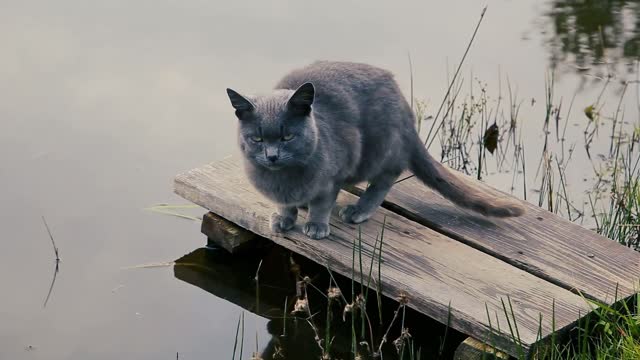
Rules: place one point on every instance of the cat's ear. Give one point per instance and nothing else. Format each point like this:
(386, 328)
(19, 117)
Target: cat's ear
(301, 100)
(240, 103)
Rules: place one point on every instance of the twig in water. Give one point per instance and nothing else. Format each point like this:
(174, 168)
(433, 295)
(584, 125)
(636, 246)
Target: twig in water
(55, 248)
(53, 281)
(57, 268)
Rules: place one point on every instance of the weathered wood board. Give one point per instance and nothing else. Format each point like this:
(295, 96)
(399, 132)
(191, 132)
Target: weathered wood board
(538, 242)
(438, 273)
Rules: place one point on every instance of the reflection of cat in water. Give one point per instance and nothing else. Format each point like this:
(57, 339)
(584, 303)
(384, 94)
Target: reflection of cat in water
(333, 124)
(299, 343)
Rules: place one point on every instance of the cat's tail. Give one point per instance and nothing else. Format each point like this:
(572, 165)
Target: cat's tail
(460, 191)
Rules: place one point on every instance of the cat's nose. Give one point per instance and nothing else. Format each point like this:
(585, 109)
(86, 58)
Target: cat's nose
(272, 158)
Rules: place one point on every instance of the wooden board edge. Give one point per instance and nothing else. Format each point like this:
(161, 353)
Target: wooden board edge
(473, 349)
(226, 234)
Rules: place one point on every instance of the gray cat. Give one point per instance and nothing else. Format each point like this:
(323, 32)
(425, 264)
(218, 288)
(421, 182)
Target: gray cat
(332, 124)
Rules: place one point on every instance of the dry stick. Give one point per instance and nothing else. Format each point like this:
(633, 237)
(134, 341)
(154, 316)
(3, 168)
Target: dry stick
(53, 281)
(452, 102)
(55, 272)
(55, 248)
(453, 80)
(384, 337)
(446, 96)
(311, 322)
(336, 283)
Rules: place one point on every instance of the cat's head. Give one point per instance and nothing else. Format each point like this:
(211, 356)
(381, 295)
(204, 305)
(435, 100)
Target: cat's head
(278, 130)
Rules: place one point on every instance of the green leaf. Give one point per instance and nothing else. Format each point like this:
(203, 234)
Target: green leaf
(589, 111)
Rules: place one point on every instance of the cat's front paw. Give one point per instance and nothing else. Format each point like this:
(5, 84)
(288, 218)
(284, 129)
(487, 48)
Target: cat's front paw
(351, 214)
(316, 230)
(281, 223)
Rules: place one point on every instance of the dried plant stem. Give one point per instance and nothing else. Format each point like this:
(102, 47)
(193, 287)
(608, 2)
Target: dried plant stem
(55, 248)
(435, 119)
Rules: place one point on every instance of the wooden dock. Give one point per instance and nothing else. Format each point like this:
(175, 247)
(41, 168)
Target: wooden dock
(456, 266)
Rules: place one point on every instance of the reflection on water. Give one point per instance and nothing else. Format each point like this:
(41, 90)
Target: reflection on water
(272, 292)
(595, 33)
(233, 278)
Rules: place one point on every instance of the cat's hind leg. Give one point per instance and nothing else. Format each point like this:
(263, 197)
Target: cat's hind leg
(369, 200)
(284, 219)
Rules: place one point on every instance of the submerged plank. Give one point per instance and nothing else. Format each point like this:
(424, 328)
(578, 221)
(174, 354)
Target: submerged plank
(439, 274)
(223, 233)
(538, 242)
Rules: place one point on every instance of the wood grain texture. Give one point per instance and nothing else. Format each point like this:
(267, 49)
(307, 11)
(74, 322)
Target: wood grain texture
(538, 242)
(432, 269)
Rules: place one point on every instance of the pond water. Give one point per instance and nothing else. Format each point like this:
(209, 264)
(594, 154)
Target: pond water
(103, 103)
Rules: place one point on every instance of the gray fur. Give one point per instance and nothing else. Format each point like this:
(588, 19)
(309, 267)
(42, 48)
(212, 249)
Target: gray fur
(333, 124)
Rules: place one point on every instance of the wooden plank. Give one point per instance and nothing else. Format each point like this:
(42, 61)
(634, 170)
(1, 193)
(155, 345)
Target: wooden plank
(472, 349)
(538, 242)
(434, 270)
(223, 233)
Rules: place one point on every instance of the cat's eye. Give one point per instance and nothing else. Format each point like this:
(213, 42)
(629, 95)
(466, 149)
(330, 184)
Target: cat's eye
(287, 137)
(256, 138)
